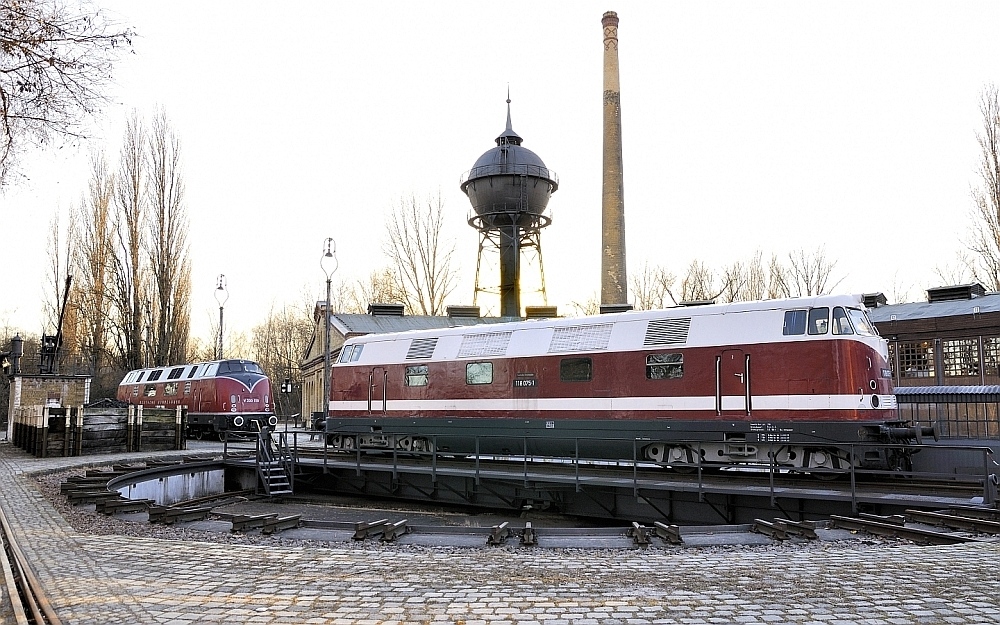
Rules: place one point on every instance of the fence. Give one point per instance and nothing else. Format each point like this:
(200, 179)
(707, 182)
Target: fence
(76, 431)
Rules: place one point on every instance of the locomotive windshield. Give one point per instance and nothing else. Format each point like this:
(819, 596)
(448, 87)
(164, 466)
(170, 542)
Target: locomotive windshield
(861, 324)
(239, 366)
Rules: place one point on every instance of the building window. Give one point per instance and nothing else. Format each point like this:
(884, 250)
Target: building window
(960, 357)
(416, 376)
(795, 322)
(664, 366)
(575, 369)
(479, 373)
(916, 359)
(991, 355)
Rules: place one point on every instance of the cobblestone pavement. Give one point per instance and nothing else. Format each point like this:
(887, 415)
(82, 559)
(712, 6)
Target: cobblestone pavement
(108, 579)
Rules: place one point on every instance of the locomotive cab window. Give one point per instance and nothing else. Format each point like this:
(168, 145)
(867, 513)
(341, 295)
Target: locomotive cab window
(841, 324)
(819, 320)
(664, 366)
(576, 369)
(416, 376)
(795, 322)
(479, 373)
(861, 323)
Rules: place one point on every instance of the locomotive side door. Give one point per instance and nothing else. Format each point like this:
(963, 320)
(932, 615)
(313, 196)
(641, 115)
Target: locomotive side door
(732, 384)
(377, 382)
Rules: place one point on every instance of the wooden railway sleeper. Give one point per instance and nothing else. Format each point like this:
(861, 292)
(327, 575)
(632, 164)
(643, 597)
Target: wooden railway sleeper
(498, 535)
(805, 529)
(168, 515)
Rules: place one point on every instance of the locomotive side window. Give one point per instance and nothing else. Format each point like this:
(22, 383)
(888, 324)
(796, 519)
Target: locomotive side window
(841, 324)
(155, 375)
(357, 353)
(170, 388)
(819, 320)
(150, 390)
(416, 376)
(795, 322)
(664, 366)
(139, 379)
(575, 369)
(194, 370)
(175, 373)
(479, 373)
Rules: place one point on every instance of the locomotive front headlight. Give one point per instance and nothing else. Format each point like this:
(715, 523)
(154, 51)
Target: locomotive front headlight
(875, 401)
(272, 420)
(238, 422)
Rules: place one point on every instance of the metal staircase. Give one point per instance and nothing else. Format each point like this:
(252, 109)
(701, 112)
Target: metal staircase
(274, 464)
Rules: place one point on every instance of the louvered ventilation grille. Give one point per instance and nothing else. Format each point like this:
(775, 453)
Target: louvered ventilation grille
(581, 338)
(421, 348)
(488, 344)
(667, 331)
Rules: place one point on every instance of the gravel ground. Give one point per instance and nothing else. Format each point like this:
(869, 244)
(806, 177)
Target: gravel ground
(86, 520)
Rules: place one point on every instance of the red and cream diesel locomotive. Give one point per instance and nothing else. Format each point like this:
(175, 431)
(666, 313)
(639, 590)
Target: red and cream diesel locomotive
(220, 396)
(800, 380)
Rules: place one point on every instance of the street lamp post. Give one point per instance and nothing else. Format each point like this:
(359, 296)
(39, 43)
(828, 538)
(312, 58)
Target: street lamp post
(221, 295)
(329, 265)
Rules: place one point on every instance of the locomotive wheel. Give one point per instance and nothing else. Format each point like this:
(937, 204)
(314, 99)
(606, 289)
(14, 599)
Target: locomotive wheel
(199, 434)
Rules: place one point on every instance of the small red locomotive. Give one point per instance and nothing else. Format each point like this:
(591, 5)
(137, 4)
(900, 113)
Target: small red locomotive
(801, 383)
(220, 396)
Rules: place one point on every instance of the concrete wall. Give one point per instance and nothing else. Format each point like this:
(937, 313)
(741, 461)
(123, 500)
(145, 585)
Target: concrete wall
(168, 490)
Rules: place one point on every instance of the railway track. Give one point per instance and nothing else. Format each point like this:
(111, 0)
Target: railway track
(25, 594)
(240, 513)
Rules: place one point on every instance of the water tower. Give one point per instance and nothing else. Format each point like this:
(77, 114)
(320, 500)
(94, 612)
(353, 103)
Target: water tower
(509, 188)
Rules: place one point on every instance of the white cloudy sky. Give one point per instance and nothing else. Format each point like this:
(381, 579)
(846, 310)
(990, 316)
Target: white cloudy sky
(764, 125)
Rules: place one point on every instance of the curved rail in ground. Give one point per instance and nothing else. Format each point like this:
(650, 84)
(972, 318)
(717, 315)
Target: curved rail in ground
(25, 592)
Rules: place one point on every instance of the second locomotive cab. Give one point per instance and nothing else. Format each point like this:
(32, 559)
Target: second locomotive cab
(220, 396)
(803, 383)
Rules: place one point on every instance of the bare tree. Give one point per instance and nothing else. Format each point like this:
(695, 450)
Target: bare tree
(651, 288)
(984, 241)
(957, 273)
(421, 260)
(167, 245)
(56, 60)
(94, 260)
(810, 272)
(60, 253)
(278, 345)
(382, 287)
(699, 283)
(129, 272)
(590, 306)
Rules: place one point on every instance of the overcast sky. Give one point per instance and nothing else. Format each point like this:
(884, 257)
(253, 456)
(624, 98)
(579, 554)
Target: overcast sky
(773, 126)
